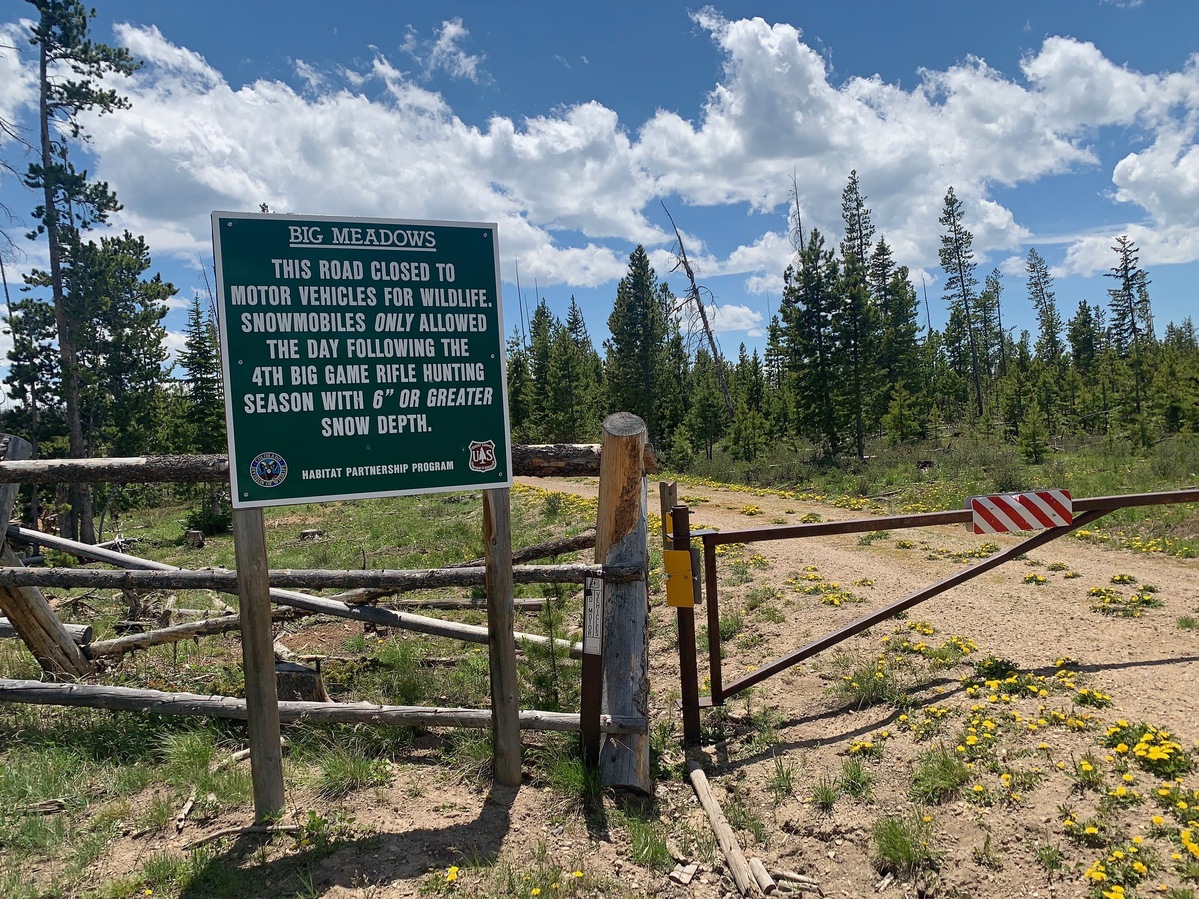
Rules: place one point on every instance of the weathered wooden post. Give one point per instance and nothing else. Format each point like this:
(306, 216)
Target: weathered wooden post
(501, 644)
(25, 607)
(621, 539)
(258, 659)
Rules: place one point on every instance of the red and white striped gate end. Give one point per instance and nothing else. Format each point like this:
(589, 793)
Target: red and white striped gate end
(1003, 512)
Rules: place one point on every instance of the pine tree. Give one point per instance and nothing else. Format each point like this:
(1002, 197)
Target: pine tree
(1082, 332)
(749, 379)
(673, 387)
(70, 69)
(1034, 435)
(957, 259)
(898, 357)
(706, 417)
(634, 363)
(993, 339)
(122, 353)
(901, 421)
(859, 317)
(574, 383)
(811, 301)
(521, 420)
(1040, 294)
(1132, 319)
(541, 334)
(32, 381)
(747, 437)
(200, 359)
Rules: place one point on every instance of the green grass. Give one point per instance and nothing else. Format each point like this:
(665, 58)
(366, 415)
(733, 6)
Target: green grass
(867, 684)
(903, 844)
(855, 780)
(939, 776)
(647, 842)
(559, 766)
(345, 768)
(731, 623)
(742, 817)
(825, 792)
(782, 780)
(1049, 857)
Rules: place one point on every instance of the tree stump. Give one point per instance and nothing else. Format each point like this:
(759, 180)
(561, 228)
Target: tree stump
(194, 539)
(299, 682)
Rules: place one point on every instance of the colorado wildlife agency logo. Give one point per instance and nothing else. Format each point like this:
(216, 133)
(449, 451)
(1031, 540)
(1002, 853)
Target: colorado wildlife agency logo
(268, 469)
(482, 455)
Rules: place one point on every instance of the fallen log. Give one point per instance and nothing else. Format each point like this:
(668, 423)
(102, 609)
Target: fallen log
(80, 633)
(218, 624)
(26, 608)
(127, 699)
(450, 605)
(737, 862)
(761, 876)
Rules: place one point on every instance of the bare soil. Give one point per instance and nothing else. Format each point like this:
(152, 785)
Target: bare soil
(430, 818)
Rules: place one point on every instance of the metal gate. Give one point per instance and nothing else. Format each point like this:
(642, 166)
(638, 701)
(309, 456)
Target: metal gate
(1086, 512)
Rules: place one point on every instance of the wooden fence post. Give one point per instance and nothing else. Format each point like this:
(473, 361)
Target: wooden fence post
(258, 660)
(621, 539)
(501, 644)
(25, 607)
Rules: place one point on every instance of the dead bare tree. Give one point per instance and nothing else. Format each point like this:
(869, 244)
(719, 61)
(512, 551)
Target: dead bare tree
(693, 296)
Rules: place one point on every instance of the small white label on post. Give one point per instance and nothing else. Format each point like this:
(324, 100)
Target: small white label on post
(593, 616)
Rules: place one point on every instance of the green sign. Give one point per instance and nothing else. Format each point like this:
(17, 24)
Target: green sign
(361, 357)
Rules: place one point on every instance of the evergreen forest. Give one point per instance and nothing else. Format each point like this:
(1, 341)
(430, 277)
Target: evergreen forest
(852, 366)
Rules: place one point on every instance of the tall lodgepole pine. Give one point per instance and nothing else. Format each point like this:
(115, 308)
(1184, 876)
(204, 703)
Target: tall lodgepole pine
(70, 69)
(957, 259)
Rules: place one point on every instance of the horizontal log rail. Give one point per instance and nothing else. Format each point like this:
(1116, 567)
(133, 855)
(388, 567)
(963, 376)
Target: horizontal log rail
(225, 580)
(420, 624)
(542, 460)
(128, 699)
(926, 519)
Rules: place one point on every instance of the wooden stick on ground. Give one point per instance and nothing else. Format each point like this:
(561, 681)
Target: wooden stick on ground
(738, 864)
(238, 831)
(761, 876)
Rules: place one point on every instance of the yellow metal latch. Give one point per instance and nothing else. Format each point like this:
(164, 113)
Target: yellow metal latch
(680, 581)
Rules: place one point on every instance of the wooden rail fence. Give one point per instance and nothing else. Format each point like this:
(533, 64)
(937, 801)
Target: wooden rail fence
(618, 701)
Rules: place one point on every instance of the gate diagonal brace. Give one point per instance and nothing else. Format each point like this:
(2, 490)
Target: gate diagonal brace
(830, 640)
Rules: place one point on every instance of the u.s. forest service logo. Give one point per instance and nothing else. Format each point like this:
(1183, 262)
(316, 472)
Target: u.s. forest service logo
(268, 469)
(482, 455)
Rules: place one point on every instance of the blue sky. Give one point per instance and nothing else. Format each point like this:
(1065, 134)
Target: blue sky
(1060, 124)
